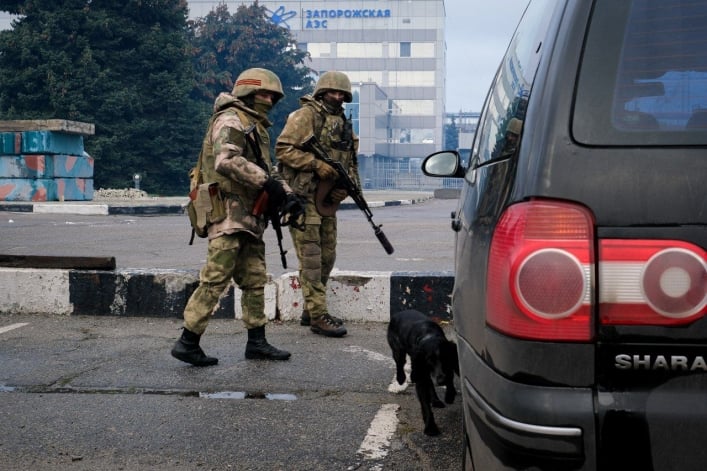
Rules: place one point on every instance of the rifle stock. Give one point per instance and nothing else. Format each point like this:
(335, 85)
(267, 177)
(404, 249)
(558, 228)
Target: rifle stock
(344, 181)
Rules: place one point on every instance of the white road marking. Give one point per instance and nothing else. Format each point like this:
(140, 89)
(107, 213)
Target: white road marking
(12, 327)
(377, 441)
(376, 444)
(370, 354)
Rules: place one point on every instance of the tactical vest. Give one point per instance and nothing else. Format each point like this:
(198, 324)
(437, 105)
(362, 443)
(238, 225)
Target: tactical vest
(208, 165)
(328, 130)
(330, 134)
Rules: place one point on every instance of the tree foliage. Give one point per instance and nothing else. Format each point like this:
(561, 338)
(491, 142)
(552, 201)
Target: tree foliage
(120, 65)
(451, 136)
(143, 74)
(226, 44)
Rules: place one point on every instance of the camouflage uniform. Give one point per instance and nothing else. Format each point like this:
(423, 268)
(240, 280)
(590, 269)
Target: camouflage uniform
(236, 250)
(316, 246)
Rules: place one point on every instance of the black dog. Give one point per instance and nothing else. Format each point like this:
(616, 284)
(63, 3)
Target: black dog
(433, 357)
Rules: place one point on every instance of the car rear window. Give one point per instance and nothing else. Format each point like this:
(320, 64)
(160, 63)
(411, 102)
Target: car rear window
(643, 76)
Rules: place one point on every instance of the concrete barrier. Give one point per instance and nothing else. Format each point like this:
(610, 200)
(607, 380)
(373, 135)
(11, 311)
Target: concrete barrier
(354, 296)
(44, 160)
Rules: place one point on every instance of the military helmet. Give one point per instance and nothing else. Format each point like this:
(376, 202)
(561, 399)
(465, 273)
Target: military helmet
(334, 80)
(257, 79)
(514, 126)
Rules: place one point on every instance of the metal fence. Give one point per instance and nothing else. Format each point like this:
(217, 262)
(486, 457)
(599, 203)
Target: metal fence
(400, 174)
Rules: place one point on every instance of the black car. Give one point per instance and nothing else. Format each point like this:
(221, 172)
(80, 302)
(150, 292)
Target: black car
(580, 281)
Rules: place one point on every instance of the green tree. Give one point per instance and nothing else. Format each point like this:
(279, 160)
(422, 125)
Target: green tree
(226, 44)
(123, 66)
(451, 136)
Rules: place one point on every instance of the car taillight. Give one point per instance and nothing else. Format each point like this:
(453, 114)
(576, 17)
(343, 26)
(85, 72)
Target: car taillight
(651, 282)
(540, 272)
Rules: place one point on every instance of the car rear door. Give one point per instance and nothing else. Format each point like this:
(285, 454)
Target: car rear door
(639, 123)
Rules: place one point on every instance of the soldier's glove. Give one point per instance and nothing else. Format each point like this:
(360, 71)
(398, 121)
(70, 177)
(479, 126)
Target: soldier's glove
(276, 193)
(292, 213)
(338, 195)
(323, 170)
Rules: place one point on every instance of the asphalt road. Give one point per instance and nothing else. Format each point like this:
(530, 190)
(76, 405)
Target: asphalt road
(86, 393)
(420, 234)
(89, 393)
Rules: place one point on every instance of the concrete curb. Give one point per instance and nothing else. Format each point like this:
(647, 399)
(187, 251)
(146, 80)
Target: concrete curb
(99, 208)
(354, 296)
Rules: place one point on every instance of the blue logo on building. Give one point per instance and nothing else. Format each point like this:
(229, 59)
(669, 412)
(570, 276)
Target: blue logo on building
(318, 19)
(280, 16)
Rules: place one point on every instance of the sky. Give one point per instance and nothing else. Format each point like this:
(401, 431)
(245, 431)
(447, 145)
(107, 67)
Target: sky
(477, 34)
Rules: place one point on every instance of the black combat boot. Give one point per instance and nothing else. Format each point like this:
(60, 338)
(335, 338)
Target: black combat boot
(257, 348)
(187, 349)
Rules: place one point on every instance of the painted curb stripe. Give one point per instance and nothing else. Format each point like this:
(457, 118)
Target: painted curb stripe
(367, 296)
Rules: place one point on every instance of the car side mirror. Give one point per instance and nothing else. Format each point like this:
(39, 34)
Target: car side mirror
(445, 163)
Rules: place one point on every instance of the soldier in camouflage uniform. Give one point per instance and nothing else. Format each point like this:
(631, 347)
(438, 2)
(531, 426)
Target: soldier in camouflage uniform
(321, 114)
(236, 154)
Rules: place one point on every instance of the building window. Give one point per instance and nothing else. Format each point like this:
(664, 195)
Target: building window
(319, 49)
(365, 76)
(414, 50)
(422, 136)
(359, 50)
(423, 50)
(411, 78)
(414, 107)
(414, 136)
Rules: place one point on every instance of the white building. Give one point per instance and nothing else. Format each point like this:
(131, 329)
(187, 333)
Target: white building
(394, 53)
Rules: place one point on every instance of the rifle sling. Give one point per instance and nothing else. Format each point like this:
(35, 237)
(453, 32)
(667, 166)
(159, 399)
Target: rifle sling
(253, 141)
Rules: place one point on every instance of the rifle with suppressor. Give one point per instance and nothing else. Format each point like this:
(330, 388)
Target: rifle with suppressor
(313, 146)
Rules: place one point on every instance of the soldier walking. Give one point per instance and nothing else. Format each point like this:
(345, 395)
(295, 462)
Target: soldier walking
(236, 155)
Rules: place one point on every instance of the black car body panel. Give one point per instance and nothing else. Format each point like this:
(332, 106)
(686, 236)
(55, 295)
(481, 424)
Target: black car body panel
(607, 133)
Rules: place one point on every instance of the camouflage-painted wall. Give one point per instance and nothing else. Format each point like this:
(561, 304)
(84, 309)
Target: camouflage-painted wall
(45, 161)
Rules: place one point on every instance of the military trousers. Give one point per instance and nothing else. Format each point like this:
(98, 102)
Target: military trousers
(239, 257)
(316, 252)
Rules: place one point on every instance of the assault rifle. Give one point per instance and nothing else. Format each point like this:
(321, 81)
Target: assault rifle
(345, 182)
(261, 207)
(261, 203)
